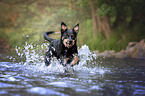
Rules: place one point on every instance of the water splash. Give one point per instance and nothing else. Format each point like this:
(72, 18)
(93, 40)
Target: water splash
(33, 53)
(35, 59)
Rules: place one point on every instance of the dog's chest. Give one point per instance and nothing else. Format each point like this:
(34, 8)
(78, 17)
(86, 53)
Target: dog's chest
(67, 53)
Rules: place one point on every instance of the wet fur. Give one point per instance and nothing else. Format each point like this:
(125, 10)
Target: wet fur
(65, 48)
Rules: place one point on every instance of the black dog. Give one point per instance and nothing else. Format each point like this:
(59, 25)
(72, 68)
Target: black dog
(64, 49)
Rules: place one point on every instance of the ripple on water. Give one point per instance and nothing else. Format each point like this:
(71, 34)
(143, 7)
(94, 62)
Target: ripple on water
(82, 90)
(11, 79)
(59, 84)
(44, 91)
(3, 92)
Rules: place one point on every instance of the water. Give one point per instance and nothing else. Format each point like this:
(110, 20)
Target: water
(24, 74)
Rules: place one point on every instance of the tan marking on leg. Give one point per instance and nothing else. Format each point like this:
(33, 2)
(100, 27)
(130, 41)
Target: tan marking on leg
(75, 60)
(65, 60)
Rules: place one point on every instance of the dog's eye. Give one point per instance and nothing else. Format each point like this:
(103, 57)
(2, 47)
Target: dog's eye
(72, 36)
(67, 35)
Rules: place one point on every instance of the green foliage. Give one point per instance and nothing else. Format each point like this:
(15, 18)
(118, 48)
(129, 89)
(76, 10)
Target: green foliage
(27, 21)
(32, 28)
(61, 14)
(118, 40)
(97, 43)
(3, 35)
(106, 9)
(82, 3)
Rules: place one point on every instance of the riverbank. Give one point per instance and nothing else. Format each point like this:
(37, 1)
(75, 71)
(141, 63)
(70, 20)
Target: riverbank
(133, 50)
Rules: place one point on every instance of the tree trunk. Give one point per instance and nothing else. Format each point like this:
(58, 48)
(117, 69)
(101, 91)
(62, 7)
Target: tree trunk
(74, 3)
(99, 24)
(70, 5)
(94, 19)
(104, 26)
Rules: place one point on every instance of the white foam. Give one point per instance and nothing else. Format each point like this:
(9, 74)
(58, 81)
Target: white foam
(59, 84)
(11, 79)
(44, 91)
(35, 59)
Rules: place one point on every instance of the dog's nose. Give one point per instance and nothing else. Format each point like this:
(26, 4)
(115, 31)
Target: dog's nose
(70, 41)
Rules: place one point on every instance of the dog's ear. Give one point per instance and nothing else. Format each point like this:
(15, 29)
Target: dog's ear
(76, 28)
(63, 27)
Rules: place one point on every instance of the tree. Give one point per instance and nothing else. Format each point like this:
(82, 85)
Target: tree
(93, 18)
(100, 24)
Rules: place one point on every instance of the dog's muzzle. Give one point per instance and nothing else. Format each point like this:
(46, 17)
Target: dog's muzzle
(68, 43)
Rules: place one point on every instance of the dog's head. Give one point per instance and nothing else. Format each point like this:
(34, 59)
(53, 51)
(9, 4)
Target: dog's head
(69, 37)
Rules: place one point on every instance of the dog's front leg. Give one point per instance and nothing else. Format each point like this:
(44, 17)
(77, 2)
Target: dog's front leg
(48, 57)
(66, 60)
(75, 60)
(63, 61)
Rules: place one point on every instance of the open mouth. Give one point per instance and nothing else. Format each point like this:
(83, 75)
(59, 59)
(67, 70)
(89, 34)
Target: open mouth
(68, 44)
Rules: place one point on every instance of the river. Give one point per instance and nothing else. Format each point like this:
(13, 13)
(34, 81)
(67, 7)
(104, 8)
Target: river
(25, 74)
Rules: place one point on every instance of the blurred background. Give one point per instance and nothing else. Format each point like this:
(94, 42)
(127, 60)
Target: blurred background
(104, 24)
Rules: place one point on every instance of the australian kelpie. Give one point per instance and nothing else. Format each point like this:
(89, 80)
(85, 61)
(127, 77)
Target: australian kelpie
(65, 48)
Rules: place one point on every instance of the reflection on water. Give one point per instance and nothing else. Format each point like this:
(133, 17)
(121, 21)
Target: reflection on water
(93, 76)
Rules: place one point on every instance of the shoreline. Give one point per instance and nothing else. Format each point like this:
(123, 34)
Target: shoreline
(133, 50)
